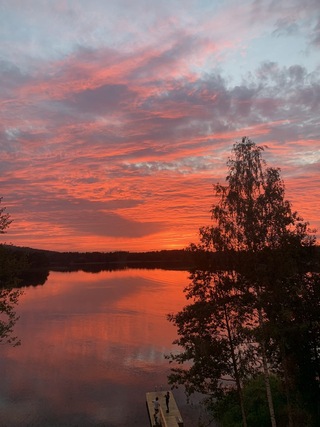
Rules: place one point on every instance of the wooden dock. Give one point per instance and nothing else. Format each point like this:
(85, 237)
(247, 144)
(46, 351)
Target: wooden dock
(164, 419)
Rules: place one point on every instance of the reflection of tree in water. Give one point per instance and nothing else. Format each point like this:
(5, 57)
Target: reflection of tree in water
(10, 269)
(8, 316)
(17, 269)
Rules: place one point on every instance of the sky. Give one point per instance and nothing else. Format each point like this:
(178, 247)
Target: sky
(118, 116)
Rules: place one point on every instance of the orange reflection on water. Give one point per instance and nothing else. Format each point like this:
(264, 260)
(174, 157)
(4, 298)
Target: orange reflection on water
(91, 343)
(116, 317)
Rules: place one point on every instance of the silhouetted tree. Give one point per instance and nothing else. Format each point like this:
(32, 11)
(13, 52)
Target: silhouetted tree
(9, 298)
(5, 220)
(211, 330)
(263, 239)
(10, 268)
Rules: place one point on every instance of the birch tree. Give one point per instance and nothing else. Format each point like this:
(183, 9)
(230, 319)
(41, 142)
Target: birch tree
(261, 237)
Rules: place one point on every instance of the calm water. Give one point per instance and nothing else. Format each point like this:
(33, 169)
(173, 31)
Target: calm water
(92, 345)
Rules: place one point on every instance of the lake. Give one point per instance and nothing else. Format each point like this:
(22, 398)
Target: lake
(92, 345)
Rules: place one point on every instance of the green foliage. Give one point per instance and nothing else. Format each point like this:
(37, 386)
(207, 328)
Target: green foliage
(227, 410)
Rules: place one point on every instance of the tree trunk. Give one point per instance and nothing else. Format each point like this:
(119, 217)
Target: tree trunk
(287, 385)
(236, 373)
(267, 378)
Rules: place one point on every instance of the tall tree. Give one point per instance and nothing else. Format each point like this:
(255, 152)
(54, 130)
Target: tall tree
(259, 234)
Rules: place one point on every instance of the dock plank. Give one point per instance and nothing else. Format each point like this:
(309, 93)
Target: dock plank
(168, 419)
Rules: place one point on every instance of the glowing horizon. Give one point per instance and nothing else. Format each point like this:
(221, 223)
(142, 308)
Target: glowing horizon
(117, 119)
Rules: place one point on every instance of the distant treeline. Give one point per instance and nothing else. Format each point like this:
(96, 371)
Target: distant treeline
(37, 262)
(72, 261)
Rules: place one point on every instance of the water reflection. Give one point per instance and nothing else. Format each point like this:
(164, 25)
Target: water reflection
(9, 299)
(92, 345)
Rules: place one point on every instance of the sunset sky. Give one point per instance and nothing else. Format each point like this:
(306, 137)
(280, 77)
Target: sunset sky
(117, 116)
